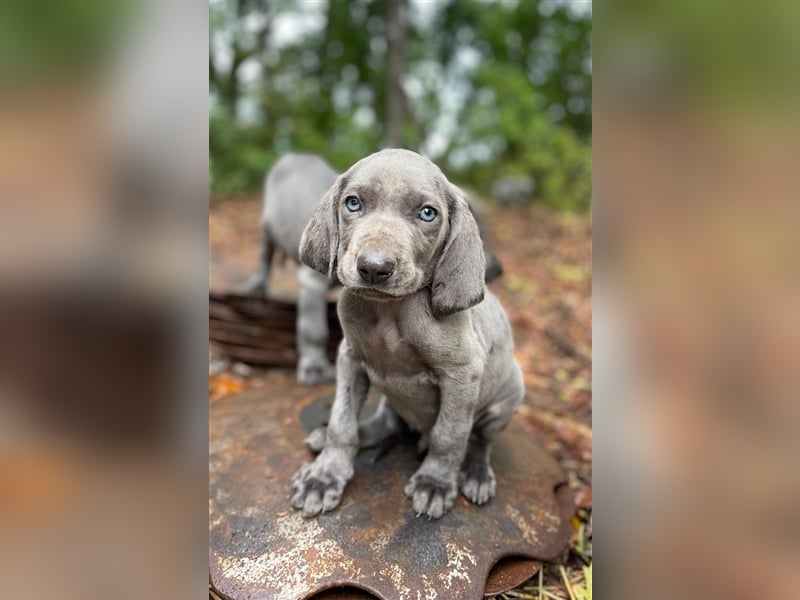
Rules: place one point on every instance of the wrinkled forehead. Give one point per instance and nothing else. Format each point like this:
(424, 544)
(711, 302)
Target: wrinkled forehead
(397, 177)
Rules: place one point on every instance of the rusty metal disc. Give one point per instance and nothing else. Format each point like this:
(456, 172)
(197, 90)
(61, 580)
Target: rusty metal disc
(372, 543)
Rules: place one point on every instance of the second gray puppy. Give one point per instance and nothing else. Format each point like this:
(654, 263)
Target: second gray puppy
(292, 190)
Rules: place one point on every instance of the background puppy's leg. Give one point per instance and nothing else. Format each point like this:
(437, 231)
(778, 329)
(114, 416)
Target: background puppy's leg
(257, 286)
(434, 487)
(313, 366)
(318, 486)
(384, 422)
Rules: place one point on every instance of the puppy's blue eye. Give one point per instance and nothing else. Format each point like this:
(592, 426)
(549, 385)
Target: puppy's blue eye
(427, 214)
(352, 204)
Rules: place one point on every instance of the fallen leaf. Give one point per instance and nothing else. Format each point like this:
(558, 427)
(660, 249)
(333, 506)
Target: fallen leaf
(223, 384)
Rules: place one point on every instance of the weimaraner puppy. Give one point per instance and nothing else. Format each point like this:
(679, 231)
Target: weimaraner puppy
(292, 190)
(419, 325)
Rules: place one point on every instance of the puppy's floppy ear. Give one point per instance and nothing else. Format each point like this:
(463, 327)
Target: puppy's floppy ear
(458, 278)
(319, 245)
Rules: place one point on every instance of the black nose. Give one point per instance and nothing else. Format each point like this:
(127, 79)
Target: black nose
(374, 267)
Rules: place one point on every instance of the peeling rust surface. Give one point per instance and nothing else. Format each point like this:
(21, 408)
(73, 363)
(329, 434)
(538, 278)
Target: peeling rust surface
(260, 548)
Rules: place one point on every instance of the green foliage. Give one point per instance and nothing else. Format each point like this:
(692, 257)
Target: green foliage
(239, 157)
(514, 81)
(508, 113)
(550, 53)
(528, 142)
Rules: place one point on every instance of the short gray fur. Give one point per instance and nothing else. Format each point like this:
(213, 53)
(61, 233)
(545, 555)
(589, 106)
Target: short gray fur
(430, 336)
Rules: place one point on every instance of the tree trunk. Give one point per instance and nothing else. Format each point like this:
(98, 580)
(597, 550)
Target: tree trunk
(396, 66)
(227, 83)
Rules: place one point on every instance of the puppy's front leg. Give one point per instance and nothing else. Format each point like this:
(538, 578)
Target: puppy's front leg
(434, 487)
(318, 486)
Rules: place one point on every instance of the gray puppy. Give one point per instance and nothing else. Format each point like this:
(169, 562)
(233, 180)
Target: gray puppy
(419, 324)
(292, 190)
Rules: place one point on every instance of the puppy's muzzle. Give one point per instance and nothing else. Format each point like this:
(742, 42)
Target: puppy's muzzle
(374, 267)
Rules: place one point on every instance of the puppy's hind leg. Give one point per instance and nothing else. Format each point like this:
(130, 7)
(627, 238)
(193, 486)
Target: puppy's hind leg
(313, 366)
(476, 478)
(257, 286)
(382, 424)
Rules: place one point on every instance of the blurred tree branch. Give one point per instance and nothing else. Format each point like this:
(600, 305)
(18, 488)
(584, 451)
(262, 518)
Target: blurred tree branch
(396, 68)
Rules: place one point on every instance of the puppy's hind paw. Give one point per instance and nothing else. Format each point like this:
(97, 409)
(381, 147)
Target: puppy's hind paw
(477, 483)
(315, 441)
(431, 496)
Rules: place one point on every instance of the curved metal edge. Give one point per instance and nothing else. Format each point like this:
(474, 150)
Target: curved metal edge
(509, 572)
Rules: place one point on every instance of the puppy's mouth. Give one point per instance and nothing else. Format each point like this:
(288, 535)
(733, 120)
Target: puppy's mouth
(372, 293)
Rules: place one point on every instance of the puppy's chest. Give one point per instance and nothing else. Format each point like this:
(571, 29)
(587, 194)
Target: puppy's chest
(388, 355)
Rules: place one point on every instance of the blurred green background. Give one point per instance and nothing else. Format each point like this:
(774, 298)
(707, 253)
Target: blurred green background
(488, 90)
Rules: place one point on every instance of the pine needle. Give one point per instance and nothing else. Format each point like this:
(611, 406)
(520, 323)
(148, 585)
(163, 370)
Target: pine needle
(567, 582)
(541, 570)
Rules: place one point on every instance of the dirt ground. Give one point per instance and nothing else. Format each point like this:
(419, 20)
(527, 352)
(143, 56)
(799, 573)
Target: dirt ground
(546, 290)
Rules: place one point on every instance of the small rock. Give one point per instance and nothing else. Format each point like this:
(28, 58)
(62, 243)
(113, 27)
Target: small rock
(217, 364)
(242, 370)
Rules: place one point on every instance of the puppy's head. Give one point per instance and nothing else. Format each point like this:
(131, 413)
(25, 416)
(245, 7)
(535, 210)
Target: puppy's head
(393, 224)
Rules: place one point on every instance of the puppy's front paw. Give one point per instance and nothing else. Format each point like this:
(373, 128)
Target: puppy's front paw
(477, 482)
(318, 486)
(431, 496)
(315, 373)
